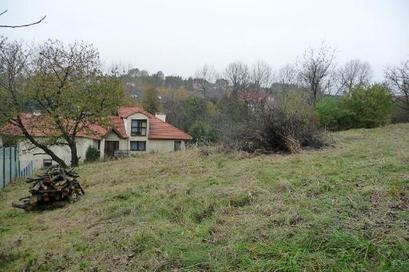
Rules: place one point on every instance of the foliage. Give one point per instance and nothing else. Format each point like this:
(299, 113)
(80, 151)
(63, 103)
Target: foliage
(150, 101)
(233, 121)
(9, 140)
(287, 124)
(92, 154)
(195, 115)
(338, 209)
(334, 114)
(290, 125)
(364, 107)
(62, 82)
(203, 132)
(371, 106)
(399, 114)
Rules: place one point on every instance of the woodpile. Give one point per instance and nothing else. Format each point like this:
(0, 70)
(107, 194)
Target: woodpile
(55, 188)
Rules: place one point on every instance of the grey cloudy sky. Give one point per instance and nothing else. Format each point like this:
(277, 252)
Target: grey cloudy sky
(179, 36)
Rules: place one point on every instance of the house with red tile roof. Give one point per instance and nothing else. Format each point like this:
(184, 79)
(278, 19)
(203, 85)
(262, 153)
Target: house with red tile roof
(131, 131)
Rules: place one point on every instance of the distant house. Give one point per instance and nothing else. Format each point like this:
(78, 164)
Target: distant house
(131, 131)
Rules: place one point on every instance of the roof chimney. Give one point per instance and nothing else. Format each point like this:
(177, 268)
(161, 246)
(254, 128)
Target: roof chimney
(161, 116)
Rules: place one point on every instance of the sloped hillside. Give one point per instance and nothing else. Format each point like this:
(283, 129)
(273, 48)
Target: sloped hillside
(342, 208)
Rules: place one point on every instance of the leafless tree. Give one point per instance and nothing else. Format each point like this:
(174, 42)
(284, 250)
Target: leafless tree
(204, 76)
(287, 77)
(261, 75)
(351, 74)
(316, 70)
(238, 74)
(21, 25)
(398, 80)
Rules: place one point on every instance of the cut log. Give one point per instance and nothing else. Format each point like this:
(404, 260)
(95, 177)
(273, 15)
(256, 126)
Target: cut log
(54, 188)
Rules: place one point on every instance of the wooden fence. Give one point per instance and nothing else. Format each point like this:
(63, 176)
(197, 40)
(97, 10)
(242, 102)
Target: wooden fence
(10, 166)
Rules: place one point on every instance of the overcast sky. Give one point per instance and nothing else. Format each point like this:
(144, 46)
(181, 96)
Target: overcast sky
(179, 36)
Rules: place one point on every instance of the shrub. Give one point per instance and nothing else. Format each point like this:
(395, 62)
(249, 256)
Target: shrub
(371, 106)
(203, 132)
(288, 124)
(234, 123)
(92, 154)
(399, 114)
(333, 114)
(363, 107)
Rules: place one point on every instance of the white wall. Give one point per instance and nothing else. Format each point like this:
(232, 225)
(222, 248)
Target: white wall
(162, 145)
(128, 122)
(112, 136)
(28, 153)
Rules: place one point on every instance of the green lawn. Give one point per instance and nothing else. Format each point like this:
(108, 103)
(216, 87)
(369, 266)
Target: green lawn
(343, 208)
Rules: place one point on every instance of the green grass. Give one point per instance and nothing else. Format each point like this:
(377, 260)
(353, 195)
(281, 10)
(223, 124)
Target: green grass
(343, 208)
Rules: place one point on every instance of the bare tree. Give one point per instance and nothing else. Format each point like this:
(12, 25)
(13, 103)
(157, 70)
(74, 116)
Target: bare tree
(261, 75)
(287, 77)
(353, 73)
(22, 25)
(238, 74)
(315, 71)
(204, 76)
(398, 80)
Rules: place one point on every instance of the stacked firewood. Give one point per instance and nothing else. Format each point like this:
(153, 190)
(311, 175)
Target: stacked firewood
(55, 188)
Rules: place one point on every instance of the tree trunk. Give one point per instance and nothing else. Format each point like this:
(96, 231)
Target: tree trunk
(39, 145)
(74, 154)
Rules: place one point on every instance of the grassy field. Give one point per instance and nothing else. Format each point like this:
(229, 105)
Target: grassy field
(343, 208)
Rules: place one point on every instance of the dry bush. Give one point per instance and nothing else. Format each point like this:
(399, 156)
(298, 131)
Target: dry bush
(289, 124)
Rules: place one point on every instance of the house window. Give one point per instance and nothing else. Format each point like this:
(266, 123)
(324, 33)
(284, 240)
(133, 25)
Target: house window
(177, 145)
(138, 145)
(47, 163)
(138, 127)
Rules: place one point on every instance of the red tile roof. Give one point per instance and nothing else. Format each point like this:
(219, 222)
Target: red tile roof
(125, 112)
(36, 125)
(161, 130)
(119, 126)
(40, 126)
(158, 130)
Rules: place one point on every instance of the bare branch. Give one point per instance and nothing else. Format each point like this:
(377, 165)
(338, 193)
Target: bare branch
(351, 74)
(261, 76)
(204, 76)
(238, 74)
(316, 70)
(398, 80)
(23, 25)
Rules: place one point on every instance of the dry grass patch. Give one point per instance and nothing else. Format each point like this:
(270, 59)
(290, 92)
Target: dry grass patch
(340, 208)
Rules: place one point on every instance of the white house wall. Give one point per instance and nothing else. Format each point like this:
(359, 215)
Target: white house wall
(28, 153)
(112, 136)
(162, 146)
(128, 123)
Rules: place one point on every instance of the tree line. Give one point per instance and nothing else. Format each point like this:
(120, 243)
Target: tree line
(340, 96)
(247, 107)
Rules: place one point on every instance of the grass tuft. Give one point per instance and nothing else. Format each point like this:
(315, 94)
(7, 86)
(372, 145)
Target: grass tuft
(342, 208)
